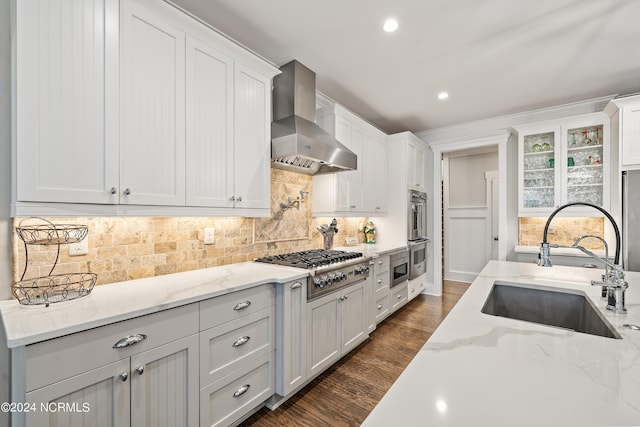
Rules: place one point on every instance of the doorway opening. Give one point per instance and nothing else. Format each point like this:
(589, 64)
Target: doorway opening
(470, 211)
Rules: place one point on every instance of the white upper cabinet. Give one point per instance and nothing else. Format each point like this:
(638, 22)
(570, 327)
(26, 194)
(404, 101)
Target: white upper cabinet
(625, 114)
(152, 149)
(416, 164)
(137, 105)
(66, 100)
(353, 193)
(252, 150)
(209, 126)
(564, 161)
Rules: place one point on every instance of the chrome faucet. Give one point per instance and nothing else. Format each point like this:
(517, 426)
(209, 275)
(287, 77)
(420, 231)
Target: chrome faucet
(613, 277)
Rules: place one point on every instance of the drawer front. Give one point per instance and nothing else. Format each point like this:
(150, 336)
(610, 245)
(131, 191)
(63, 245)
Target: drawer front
(381, 280)
(228, 400)
(398, 297)
(415, 288)
(381, 309)
(381, 263)
(224, 348)
(54, 360)
(225, 308)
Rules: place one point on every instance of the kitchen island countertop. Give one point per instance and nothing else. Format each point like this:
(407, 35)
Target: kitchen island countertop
(483, 370)
(27, 324)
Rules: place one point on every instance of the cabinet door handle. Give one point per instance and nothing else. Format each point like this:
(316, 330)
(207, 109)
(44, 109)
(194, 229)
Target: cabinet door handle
(239, 199)
(123, 375)
(241, 341)
(379, 306)
(140, 370)
(399, 296)
(232, 198)
(379, 262)
(127, 191)
(352, 206)
(242, 390)
(379, 280)
(413, 290)
(296, 285)
(129, 340)
(242, 305)
(113, 190)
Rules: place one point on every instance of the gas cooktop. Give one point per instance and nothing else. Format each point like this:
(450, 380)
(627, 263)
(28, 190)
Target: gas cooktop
(312, 259)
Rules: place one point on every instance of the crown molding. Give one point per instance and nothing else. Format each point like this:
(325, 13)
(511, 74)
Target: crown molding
(482, 128)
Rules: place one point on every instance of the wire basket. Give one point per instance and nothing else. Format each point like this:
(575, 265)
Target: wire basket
(50, 234)
(53, 288)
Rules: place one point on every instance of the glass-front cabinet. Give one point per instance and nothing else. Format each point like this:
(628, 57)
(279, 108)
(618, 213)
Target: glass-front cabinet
(563, 161)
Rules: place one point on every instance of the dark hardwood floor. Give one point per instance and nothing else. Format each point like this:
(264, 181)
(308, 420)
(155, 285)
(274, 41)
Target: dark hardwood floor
(346, 393)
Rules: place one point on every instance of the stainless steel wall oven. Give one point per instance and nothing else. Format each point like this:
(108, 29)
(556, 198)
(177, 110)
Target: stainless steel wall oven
(417, 215)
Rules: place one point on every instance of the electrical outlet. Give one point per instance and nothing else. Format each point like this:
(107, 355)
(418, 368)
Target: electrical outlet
(209, 236)
(80, 248)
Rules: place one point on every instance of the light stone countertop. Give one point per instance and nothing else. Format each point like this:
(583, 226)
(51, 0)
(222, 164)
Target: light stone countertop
(373, 249)
(483, 370)
(125, 300)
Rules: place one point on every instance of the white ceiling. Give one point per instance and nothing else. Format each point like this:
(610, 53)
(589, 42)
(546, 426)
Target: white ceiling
(494, 57)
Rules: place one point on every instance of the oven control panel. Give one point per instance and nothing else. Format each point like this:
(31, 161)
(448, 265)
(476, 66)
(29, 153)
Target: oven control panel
(325, 282)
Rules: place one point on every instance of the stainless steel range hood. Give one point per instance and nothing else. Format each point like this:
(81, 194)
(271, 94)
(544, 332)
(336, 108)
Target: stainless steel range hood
(298, 144)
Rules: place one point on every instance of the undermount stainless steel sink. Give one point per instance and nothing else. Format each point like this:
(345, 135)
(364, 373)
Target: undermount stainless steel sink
(562, 308)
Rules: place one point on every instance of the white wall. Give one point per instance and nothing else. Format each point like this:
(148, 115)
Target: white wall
(466, 178)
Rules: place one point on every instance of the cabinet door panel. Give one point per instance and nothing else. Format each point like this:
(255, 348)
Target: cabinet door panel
(323, 330)
(98, 398)
(209, 109)
(63, 92)
(353, 316)
(631, 136)
(291, 365)
(165, 391)
(252, 157)
(153, 121)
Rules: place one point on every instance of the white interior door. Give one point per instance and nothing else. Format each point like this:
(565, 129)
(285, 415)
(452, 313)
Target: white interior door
(469, 231)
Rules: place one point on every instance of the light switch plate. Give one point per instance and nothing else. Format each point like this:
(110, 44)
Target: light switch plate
(79, 248)
(209, 236)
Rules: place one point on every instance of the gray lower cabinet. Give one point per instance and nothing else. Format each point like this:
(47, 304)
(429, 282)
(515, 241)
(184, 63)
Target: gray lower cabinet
(237, 346)
(85, 379)
(291, 363)
(335, 326)
(398, 296)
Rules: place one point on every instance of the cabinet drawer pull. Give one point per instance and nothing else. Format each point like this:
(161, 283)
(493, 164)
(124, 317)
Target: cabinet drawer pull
(379, 280)
(379, 306)
(413, 290)
(379, 262)
(242, 390)
(140, 370)
(123, 375)
(242, 305)
(296, 285)
(129, 340)
(399, 296)
(241, 341)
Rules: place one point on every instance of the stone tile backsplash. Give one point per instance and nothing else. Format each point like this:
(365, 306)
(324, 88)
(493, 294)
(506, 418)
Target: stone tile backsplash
(136, 247)
(565, 232)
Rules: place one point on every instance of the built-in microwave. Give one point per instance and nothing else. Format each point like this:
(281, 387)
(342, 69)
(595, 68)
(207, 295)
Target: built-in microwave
(417, 216)
(399, 262)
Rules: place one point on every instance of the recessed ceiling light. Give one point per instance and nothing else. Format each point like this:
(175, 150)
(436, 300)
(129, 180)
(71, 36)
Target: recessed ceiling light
(443, 95)
(390, 25)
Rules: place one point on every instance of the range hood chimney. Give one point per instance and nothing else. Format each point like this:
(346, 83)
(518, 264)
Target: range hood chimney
(298, 144)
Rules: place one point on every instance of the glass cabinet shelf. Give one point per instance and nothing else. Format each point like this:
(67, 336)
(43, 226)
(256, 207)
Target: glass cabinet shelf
(563, 161)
